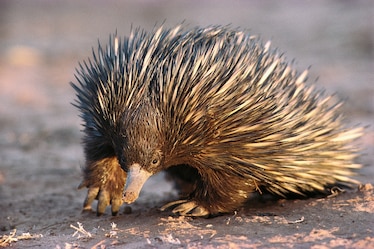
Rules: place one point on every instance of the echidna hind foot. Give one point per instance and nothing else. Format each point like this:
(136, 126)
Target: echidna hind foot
(105, 181)
(187, 208)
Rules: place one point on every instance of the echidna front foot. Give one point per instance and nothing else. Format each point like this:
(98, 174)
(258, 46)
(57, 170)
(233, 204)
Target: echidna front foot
(187, 208)
(105, 181)
(104, 198)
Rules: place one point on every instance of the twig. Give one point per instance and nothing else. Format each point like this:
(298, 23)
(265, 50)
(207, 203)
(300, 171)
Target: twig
(296, 221)
(6, 240)
(80, 230)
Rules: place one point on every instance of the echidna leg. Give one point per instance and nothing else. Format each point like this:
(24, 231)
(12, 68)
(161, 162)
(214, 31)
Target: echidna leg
(105, 181)
(217, 192)
(185, 178)
(209, 192)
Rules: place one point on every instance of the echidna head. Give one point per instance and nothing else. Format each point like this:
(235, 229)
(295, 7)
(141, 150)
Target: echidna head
(140, 147)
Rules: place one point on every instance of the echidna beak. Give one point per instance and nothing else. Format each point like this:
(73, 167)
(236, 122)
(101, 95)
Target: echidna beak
(136, 177)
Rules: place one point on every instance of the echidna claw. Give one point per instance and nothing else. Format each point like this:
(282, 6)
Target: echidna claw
(172, 203)
(116, 205)
(186, 208)
(91, 196)
(103, 202)
(200, 211)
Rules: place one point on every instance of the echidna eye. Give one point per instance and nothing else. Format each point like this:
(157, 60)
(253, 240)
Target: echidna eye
(155, 161)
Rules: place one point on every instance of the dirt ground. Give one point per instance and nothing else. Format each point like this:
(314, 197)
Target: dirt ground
(41, 43)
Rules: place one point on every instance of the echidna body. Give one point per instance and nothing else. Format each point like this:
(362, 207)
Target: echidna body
(215, 108)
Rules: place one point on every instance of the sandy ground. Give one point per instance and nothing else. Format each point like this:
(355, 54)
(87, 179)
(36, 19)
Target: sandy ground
(41, 43)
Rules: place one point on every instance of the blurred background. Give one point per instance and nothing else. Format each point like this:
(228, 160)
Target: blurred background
(42, 41)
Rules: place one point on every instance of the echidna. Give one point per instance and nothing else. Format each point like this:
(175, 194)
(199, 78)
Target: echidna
(214, 107)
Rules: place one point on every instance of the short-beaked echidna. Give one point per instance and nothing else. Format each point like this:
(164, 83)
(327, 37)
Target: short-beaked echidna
(214, 107)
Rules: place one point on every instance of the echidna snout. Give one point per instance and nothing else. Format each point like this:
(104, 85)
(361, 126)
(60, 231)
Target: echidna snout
(136, 177)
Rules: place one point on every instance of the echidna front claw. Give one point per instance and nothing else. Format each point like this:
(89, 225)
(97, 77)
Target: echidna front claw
(105, 181)
(91, 196)
(116, 204)
(187, 208)
(103, 202)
